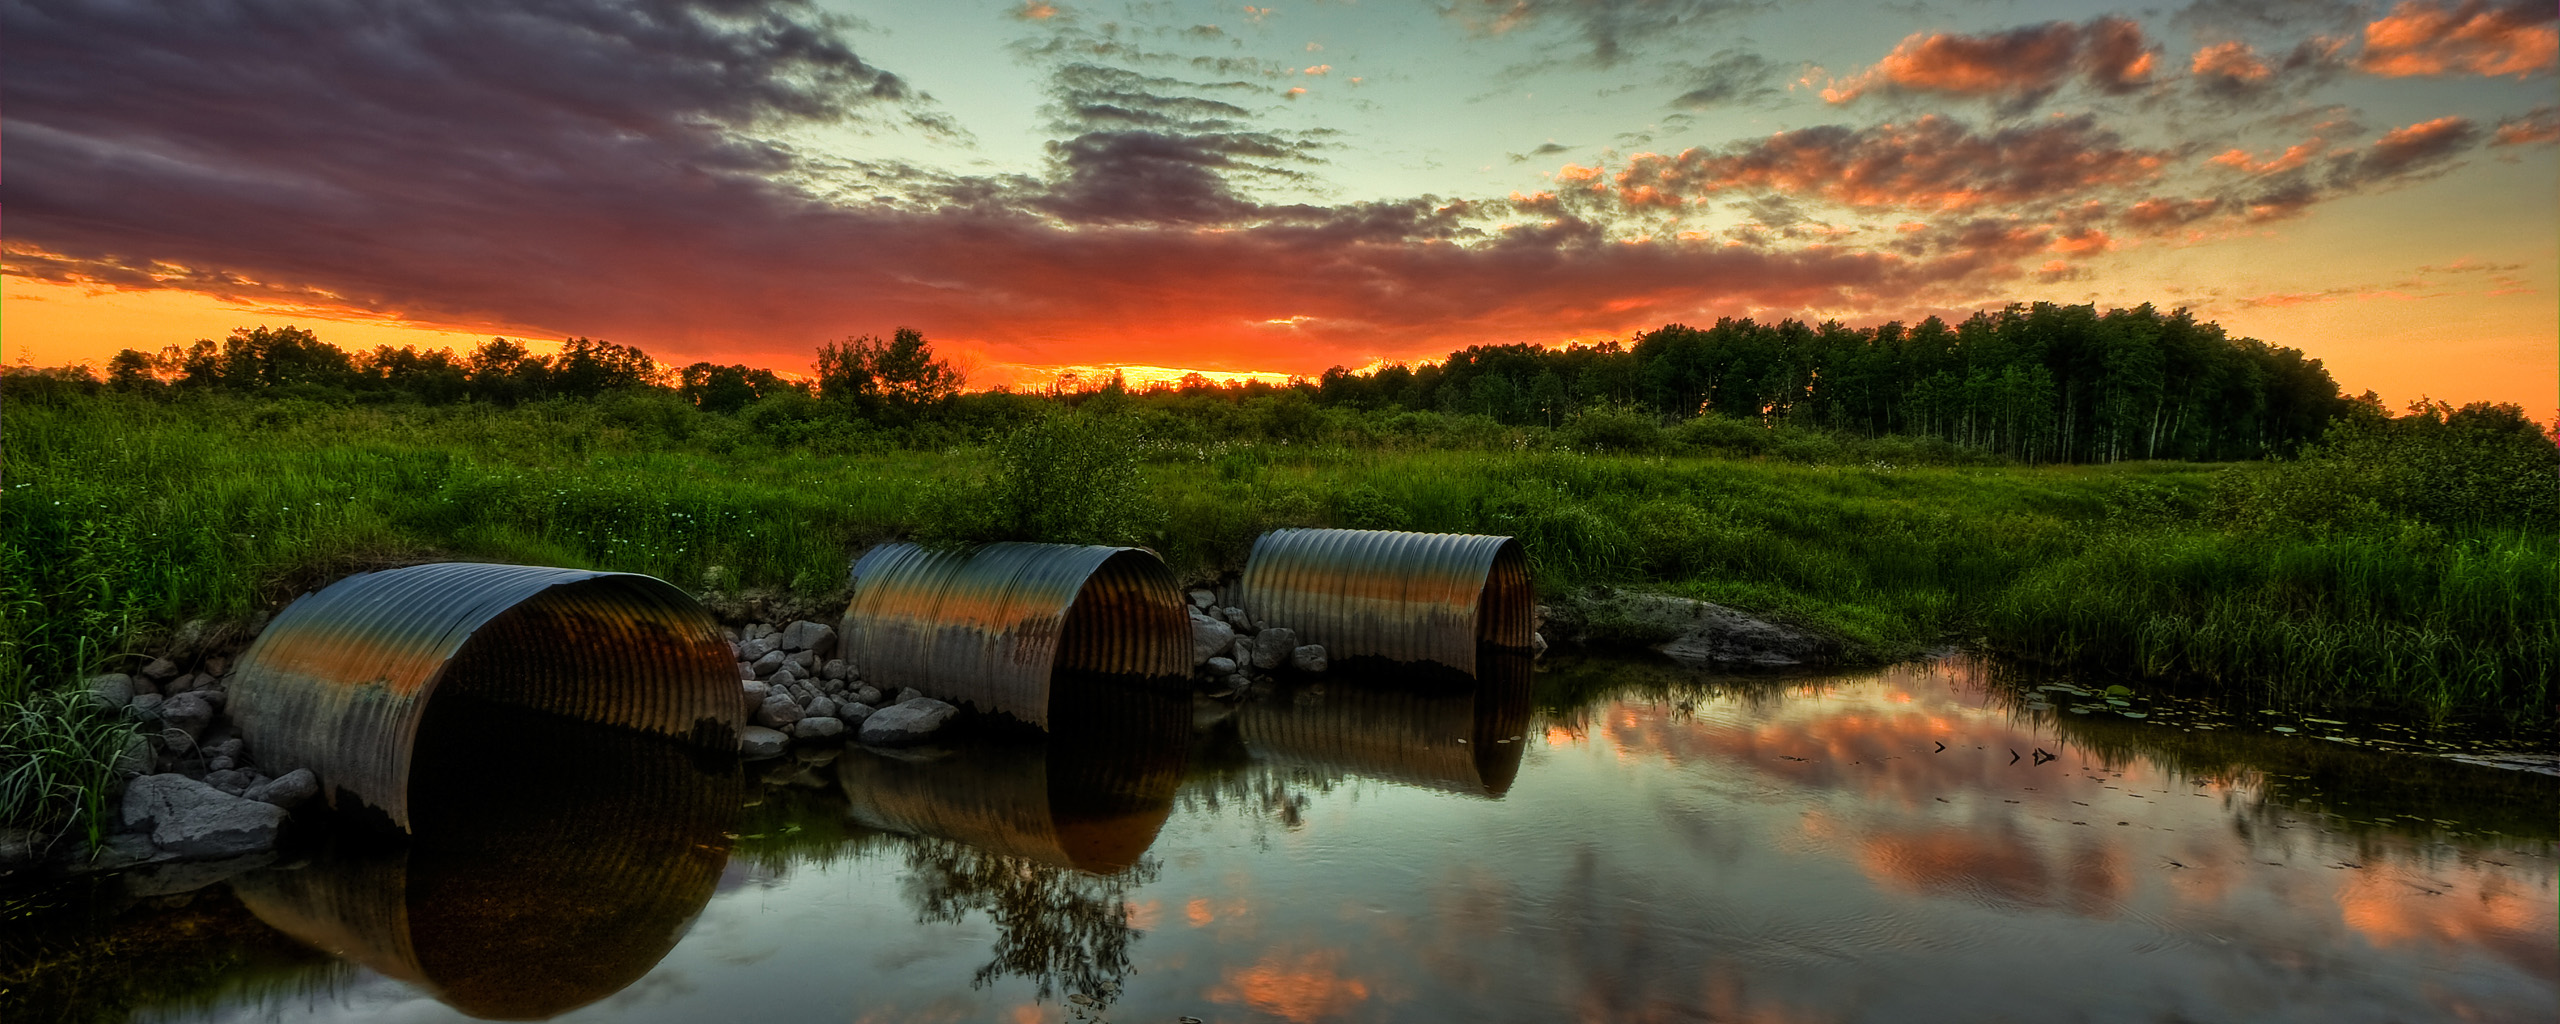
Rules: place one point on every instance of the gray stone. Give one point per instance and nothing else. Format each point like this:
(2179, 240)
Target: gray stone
(1271, 647)
(161, 668)
(854, 713)
(147, 705)
(226, 779)
(783, 679)
(869, 695)
(1202, 598)
(217, 666)
(195, 819)
(803, 663)
(121, 850)
(1209, 638)
(212, 695)
(815, 637)
(755, 743)
(909, 693)
(1237, 618)
(907, 722)
(228, 747)
(1537, 645)
(1694, 632)
(288, 790)
(770, 662)
(835, 670)
(1221, 666)
(187, 712)
(1309, 658)
(754, 694)
(1240, 681)
(746, 670)
(820, 706)
(219, 763)
(136, 758)
(779, 711)
(757, 647)
(818, 727)
(182, 684)
(112, 690)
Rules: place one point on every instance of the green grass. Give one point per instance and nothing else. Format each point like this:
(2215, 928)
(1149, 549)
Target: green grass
(125, 516)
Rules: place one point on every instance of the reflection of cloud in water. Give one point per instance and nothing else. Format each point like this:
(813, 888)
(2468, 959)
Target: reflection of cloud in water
(1306, 986)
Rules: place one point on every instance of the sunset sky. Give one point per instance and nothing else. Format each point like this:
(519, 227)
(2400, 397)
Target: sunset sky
(1282, 188)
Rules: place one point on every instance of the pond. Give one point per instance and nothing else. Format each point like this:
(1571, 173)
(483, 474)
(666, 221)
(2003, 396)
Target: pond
(1609, 840)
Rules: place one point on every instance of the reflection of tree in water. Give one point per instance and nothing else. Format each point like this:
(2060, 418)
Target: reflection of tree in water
(1059, 927)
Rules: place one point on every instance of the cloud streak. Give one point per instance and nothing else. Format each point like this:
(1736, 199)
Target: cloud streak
(2422, 38)
(2020, 66)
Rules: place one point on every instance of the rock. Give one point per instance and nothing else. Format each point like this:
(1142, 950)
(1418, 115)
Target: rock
(288, 790)
(783, 678)
(754, 693)
(1272, 646)
(228, 780)
(136, 759)
(803, 663)
(185, 683)
(1537, 645)
(188, 876)
(147, 705)
(121, 850)
(218, 763)
(217, 666)
(17, 850)
(907, 722)
(818, 727)
(755, 743)
(1209, 638)
(187, 712)
(1237, 618)
(778, 711)
(909, 693)
(1309, 658)
(1239, 682)
(195, 819)
(1202, 598)
(835, 670)
(757, 647)
(746, 670)
(820, 706)
(814, 637)
(160, 668)
(212, 695)
(855, 712)
(229, 747)
(769, 663)
(868, 695)
(1694, 632)
(1220, 666)
(112, 690)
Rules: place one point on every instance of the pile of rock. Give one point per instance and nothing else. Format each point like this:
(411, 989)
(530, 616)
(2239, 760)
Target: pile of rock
(1231, 650)
(195, 792)
(797, 690)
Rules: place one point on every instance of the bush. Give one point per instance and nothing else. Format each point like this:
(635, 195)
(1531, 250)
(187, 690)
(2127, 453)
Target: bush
(58, 756)
(1063, 479)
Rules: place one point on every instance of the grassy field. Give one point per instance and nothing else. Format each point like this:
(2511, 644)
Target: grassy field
(126, 516)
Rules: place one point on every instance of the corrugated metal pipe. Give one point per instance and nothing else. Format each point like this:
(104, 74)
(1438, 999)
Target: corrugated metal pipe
(989, 626)
(339, 682)
(1466, 741)
(1406, 597)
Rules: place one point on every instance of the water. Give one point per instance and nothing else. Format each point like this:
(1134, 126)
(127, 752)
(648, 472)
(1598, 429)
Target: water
(1652, 846)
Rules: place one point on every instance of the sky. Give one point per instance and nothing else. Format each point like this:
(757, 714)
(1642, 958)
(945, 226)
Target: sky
(1279, 189)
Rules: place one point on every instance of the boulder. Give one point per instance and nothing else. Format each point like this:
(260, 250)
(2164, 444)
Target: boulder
(220, 775)
(909, 693)
(288, 790)
(768, 662)
(182, 684)
(755, 743)
(755, 692)
(1236, 617)
(778, 712)
(869, 695)
(1202, 598)
(195, 819)
(1273, 646)
(1220, 667)
(161, 668)
(835, 670)
(1309, 658)
(187, 712)
(757, 647)
(803, 663)
(1693, 632)
(820, 706)
(1209, 638)
(112, 690)
(818, 727)
(746, 670)
(907, 722)
(814, 637)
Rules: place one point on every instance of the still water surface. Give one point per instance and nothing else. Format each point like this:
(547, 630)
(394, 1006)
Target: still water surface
(1619, 841)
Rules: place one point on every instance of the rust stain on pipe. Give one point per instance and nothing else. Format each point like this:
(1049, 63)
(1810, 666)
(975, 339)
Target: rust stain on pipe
(1406, 597)
(990, 626)
(340, 680)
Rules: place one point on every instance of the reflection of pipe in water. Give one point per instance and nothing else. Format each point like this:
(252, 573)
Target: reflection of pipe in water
(988, 626)
(1456, 736)
(340, 682)
(1405, 597)
(1090, 795)
(551, 863)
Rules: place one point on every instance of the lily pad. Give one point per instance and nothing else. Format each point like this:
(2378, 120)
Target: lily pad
(2135, 714)
(2119, 691)
(2284, 728)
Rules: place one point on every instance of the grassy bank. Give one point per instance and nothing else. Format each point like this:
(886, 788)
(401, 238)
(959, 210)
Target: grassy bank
(124, 516)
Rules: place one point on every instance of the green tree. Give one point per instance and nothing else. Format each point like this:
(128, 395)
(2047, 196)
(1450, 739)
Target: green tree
(871, 376)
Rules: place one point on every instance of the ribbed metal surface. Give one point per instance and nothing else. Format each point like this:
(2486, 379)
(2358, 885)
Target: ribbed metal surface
(553, 865)
(1401, 596)
(989, 626)
(338, 682)
(1467, 741)
(1092, 796)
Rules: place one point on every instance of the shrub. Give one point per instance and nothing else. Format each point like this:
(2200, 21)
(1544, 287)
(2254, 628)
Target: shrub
(1064, 478)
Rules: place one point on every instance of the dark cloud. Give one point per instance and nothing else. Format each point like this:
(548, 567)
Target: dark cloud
(1933, 163)
(2305, 175)
(2236, 73)
(1728, 77)
(2213, 19)
(2541, 125)
(1609, 27)
(2423, 38)
(1152, 149)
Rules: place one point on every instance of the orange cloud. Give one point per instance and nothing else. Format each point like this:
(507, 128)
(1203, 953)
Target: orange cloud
(2424, 38)
(2542, 125)
(2294, 156)
(2233, 61)
(1933, 164)
(2022, 63)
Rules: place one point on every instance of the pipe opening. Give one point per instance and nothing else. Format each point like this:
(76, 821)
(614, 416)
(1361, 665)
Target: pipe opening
(1507, 610)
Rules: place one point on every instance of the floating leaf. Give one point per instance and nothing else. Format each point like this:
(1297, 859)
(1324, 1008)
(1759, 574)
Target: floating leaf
(2119, 691)
(2284, 728)
(2120, 703)
(2136, 714)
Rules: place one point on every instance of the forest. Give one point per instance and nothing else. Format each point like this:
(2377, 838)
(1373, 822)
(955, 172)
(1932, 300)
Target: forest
(2040, 383)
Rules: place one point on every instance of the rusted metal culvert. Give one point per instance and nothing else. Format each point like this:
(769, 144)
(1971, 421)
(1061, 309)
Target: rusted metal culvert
(1400, 596)
(1466, 741)
(990, 626)
(340, 681)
